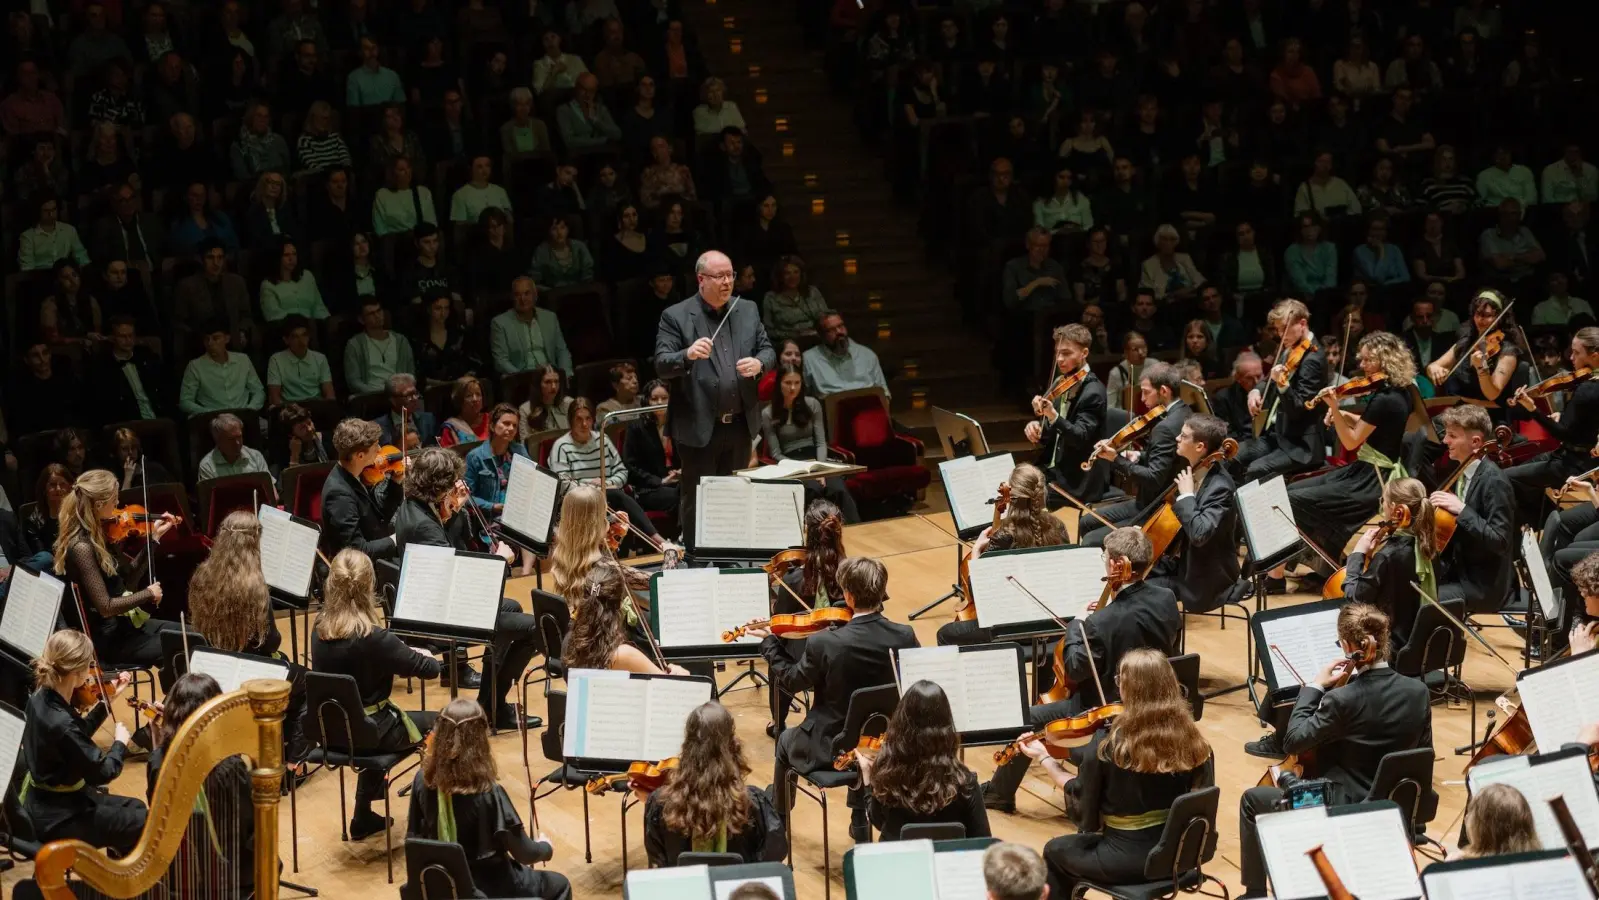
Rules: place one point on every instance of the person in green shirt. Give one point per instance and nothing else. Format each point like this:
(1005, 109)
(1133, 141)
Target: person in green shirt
(468, 203)
(298, 373)
(372, 84)
(525, 337)
(230, 456)
(50, 239)
(291, 290)
(1506, 179)
(219, 379)
(395, 206)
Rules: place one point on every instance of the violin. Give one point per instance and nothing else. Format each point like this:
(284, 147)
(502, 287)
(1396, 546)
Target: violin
(640, 776)
(390, 461)
(145, 708)
(795, 625)
(1298, 763)
(782, 562)
(868, 744)
(1514, 737)
(1492, 344)
(1291, 364)
(615, 532)
(1064, 384)
(1554, 384)
(132, 521)
(1354, 387)
(1062, 734)
(966, 610)
(1128, 433)
(85, 696)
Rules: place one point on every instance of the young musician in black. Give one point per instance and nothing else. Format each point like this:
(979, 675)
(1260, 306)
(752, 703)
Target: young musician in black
(704, 804)
(1139, 615)
(834, 665)
(1577, 430)
(456, 797)
(64, 785)
(1291, 440)
(1569, 536)
(1202, 561)
(354, 515)
(1476, 562)
(437, 512)
(350, 639)
(918, 775)
(1355, 712)
(1382, 576)
(1026, 524)
(815, 582)
(1152, 470)
(1067, 429)
(1468, 369)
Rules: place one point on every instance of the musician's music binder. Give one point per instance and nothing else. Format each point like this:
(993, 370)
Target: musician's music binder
(1539, 875)
(10, 743)
(448, 593)
(288, 554)
(917, 870)
(690, 608)
(1065, 579)
(706, 883)
(1367, 843)
(232, 670)
(971, 483)
(33, 604)
(1270, 536)
(1541, 777)
(616, 718)
(1306, 638)
(529, 511)
(740, 519)
(1560, 698)
(986, 685)
(1541, 588)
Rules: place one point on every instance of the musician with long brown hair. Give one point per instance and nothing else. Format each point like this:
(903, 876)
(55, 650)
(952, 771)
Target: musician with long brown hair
(918, 776)
(1066, 429)
(704, 805)
(1498, 821)
(580, 543)
(1355, 712)
(1291, 440)
(1476, 563)
(815, 582)
(456, 797)
(599, 635)
(1026, 524)
(1381, 575)
(1577, 430)
(1151, 470)
(1152, 754)
(350, 639)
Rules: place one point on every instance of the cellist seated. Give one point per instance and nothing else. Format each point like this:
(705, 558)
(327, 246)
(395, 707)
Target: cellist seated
(1139, 615)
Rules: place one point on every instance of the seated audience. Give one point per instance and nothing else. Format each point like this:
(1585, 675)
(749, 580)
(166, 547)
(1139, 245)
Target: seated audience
(468, 421)
(229, 456)
(219, 379)
(297, 373)
(838, 363)
(526, 337)
(547, 409)
(376, 354)
(405, 410)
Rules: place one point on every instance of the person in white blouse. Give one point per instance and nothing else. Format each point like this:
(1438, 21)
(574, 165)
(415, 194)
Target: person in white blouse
(1066, 210)
(716, 112)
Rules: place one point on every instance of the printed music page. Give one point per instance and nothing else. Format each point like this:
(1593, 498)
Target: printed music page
(1539, 573)
(1309, 642)
(1566, 776)
(941, 666)
(683, 883)
(1561, 699)
(610, 714)
(425, 575)
(288, 551)
(1285, 838)
(686, 599)
(232, 671)
(529, 499)
(972, 484)
(10, 743)
(668, 704)
(475, 590)
(775, 515)
(1559, 878)
(1373, 855)
(740, 597)
(1066, 580)
(990, 679)
(34, 602)
(902, 870)
(722, 515)
(960, 875)
(1269, 533)
(725, 889)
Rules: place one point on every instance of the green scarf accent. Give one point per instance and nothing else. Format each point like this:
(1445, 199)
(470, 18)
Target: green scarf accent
(447, 818)
(822, 600)
(1424, 573)
(411, 731)
(202, 805)
(1387, 469)
(28, 784)
(717, 844)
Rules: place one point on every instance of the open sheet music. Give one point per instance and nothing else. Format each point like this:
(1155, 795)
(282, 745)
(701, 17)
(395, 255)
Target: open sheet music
(985, 684)
(972, 484)
(1366, 844)
(615, 715)
(679, 883)
(231, 670)
(1267, 532)
(789, 468)
(32, 606)
(530, 499)
(1540, 778)
(10, 742)
(440, 586)
(735, 514)
(288, 551)
(1560, 698)
(692, 607)
(1066, 579)
(916, 870)
(1546, 875)
(1541, 587)
(1306, 638)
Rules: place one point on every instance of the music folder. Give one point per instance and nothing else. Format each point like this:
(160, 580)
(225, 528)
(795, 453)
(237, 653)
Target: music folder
(1065, 579)
(1539, 875)
(232, 670)
(690, 608)
(1269, 536)
(1306, 636)
(616, 718)
(32, 607)
(705, 882)
(1560, 698)
(528, 514)
(1366, 843)
(986, 685)
(449, 593)
(1540, 777)
(288, 554)
(10, 743)
(972, 484)
(917, 870)
(741, 519)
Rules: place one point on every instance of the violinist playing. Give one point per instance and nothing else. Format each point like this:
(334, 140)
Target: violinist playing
(1386, 560)
(1476, 560)
(1152, 470)
(353, 514)
(834, 664)
(1355, 712)
(1152, 754)
(1577, 430)
(1485, 364)
(1290, 441)
(917, 776)
(598, 639)
(816, 582)
(1069, 424)
(1026, 524)
(1140, 615)
(1201, 562)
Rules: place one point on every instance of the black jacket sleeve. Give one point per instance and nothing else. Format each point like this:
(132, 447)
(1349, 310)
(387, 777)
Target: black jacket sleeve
(1154, 469)
(791, 676)
(1081, 430)
(402, 661)
(1317, 718)
(1489, 531)
(1202, 524)
(342, 516)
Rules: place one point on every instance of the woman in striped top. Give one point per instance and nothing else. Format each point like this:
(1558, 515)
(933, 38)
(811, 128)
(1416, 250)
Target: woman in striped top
(1446, 190)
(576, 457)
(320, 147)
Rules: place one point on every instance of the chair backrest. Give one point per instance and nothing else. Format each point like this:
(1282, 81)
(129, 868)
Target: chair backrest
(220, 496)
(554, 621)
(870, 708)
(554, 732)
(335, 716)
(709, 859)
(436, 870)
(1189, 839)
(1435, 643)
(516, 387)
(932, 831)
(173, 656)
(1405, 777)
(858, 418)
(1187, 669)
(302, 489)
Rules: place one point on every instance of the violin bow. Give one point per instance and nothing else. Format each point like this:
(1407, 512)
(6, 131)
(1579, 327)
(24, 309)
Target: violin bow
(144, 484)
(183, 626)
(1082, 506)
(1532, 358)
(1480, 338)
(1458, 623)
(83, 616)
(1343, 353)
(527, 770)
(1064, 625)
(1325, 556)
(1282, 656)
(643, 622)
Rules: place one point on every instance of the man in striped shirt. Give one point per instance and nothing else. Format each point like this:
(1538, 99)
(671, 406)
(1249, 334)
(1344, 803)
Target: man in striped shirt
(577, 456)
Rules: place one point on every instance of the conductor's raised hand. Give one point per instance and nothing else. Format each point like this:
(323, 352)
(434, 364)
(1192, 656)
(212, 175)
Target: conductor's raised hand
(700, 349)
(749, 367)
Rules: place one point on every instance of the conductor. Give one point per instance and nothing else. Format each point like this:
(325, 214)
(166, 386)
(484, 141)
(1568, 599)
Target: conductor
(712, 348)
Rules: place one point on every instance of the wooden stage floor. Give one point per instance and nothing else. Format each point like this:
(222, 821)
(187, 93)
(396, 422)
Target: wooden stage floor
(921, 563)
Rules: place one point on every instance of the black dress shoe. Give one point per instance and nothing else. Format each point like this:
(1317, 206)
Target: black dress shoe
(995, 802)
(860, 830)
(366, 824)
(464, 676)
(505, 720)
(1268, 747)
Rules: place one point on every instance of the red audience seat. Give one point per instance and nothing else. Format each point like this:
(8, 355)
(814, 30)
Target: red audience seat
(861, 426)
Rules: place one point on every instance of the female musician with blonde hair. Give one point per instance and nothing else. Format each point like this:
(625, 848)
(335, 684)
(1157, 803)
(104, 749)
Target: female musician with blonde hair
(580, 544)
(456, 797)
(1382, 578)
(598, 639)
(349, 639)
(1498, 821)
(1152, 754)
(705, 804)
(918, 776)
(1027, 523)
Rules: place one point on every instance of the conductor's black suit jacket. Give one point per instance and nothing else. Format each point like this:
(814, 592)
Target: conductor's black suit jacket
(691, 413)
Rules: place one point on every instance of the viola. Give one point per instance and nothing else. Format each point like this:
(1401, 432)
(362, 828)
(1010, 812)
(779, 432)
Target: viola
(966, 610)
(782, 562)
(640, 776)
(1354, 387)
(1062, 734)
(1063, 686)
(1554, 384)
(390, 461)
(1128, 433)
(1334, 585)
(1064, 384)
(132, 521)
(1291, 364)
(795, 625)
(868, 744)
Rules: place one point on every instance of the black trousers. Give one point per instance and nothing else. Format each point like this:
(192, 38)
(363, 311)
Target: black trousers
(115, 823)
(1122, 513)
(1569, 535)
(369, 783)
(1529, 480)
(515, 643)
(856, 798)
(1109, 857)
(139, 647)
(727, 451)
(1008, 778)
(616, 498)
(1252, 868)
(1262, 459)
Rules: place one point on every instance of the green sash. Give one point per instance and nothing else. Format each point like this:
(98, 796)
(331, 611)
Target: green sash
(136, 615)
(717, 844)
(28, 784)
(447, 818)
(202, 805)
(411, 731)
(1424, 573)
(1387, 469)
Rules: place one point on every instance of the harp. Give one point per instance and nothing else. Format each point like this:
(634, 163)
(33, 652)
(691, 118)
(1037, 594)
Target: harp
(247, 722)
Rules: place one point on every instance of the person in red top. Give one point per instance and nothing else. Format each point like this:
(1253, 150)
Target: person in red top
(1293, 81)
(470, 421)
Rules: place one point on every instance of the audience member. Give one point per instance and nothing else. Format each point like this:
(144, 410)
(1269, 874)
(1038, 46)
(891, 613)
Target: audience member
(218, 379)
(130, 381)
(377, 354)
(838, 363)
(229, 456)
(526, 337)
(405, 414)
(297, 373)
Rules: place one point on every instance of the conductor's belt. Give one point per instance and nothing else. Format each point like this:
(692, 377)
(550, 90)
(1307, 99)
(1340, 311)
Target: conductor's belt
(730, 418)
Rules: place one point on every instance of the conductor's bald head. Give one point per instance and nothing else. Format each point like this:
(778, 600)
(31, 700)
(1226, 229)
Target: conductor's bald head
(715, 274)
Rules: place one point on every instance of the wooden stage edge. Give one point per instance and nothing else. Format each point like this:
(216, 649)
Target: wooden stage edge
(921, 564)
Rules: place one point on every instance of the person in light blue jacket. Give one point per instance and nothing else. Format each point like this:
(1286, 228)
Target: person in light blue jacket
(488, 465)
(525, 337)
(1377, 260)
(1311, 263)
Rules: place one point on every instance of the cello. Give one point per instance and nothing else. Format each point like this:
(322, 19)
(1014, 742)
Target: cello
(1443, 519)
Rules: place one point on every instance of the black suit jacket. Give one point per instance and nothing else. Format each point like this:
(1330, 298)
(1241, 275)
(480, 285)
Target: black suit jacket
(717, 182)
(1297, 430)
(1478, 556)
(352, 516)
(1159, 463)
(1353, 727)
(691, 413)
(1202, 563)
(115, 399)
(1384, 582)
(1071, 437)
(1231, 405)
(1140, 615)
(1439, 346)
(834, 665)
(415, 523)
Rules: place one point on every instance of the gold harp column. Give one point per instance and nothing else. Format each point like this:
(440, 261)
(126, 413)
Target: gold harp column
(269, 699)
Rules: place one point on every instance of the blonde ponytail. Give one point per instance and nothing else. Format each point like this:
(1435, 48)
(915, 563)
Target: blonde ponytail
(65, 652)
